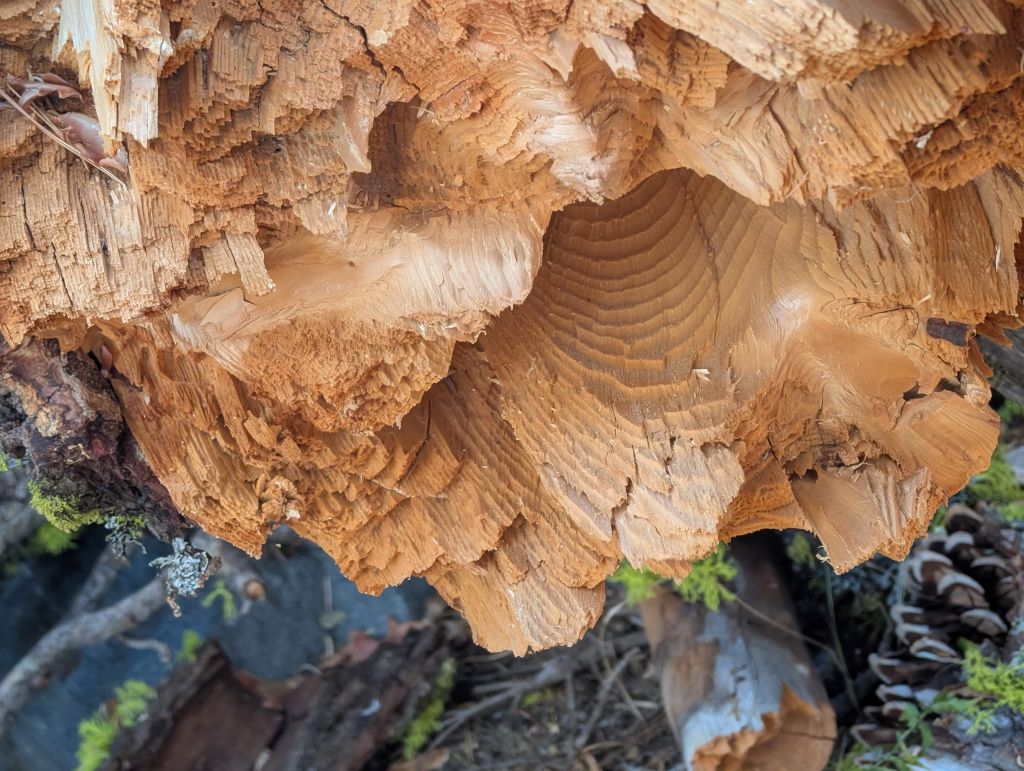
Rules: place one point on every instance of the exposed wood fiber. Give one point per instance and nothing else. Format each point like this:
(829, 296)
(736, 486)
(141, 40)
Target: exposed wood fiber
(749, 246)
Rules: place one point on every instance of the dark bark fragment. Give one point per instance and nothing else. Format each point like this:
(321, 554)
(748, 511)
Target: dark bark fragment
(60, 417)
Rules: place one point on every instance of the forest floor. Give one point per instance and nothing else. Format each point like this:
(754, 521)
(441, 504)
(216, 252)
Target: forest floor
(438, 701)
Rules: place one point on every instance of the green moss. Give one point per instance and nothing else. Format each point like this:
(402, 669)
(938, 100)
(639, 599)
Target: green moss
(51, 540)
(60, 511)
(228, 608)
(639, 583)
(95, 736)
(4, 465)
(132, 700)
(706, 583)
(998, 681)
(428, 720)
(191, 641)
(998, 485)
(96, 733)
(981, 714)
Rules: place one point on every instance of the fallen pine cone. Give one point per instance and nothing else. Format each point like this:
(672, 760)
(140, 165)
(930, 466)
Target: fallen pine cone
(960, 586)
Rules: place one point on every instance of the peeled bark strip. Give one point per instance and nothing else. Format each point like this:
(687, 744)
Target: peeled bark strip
(739, 692)
(749, 249)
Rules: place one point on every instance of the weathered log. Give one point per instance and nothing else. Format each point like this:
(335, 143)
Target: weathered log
(1006, 358)
(750, 246)
(208, 716)
(738, 685)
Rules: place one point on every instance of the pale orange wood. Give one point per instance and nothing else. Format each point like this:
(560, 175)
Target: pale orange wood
(500, 293)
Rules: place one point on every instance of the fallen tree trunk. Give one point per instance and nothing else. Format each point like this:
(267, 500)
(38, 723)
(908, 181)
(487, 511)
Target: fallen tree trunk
(750, 248)
(738, 684)
(339, 718)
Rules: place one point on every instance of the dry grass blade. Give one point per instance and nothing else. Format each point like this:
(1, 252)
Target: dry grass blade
(47, 127)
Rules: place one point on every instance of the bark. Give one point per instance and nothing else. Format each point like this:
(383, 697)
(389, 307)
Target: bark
(1006, 359)
(207, 716)
(60, 416)
(740, 690)
(749, 249)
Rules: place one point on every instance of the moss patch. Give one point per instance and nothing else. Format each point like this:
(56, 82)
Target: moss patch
(60, 511)
(706, 583)
(96, 733)
(428, 719)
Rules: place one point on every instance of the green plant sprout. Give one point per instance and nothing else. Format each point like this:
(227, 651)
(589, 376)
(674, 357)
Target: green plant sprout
(191, 642)
(428, 720)
(229, 607)
(912, 740)
(97, 732)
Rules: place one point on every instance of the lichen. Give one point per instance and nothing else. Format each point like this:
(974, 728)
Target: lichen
(186, 571)
(123, 530)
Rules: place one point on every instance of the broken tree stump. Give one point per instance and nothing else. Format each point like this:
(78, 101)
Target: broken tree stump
(498, 294)
(739, 687)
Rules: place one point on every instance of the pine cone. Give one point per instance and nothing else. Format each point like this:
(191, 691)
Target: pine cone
(959, 583)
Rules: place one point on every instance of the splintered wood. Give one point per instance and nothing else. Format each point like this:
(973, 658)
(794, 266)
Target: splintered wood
(501, 293)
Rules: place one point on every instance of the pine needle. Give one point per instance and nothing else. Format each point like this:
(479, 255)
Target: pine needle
(44, 124)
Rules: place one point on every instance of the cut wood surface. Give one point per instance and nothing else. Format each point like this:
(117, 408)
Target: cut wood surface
(499, 293)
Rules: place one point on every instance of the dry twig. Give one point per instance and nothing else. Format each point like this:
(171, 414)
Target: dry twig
(41, 122)
(78, 632)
